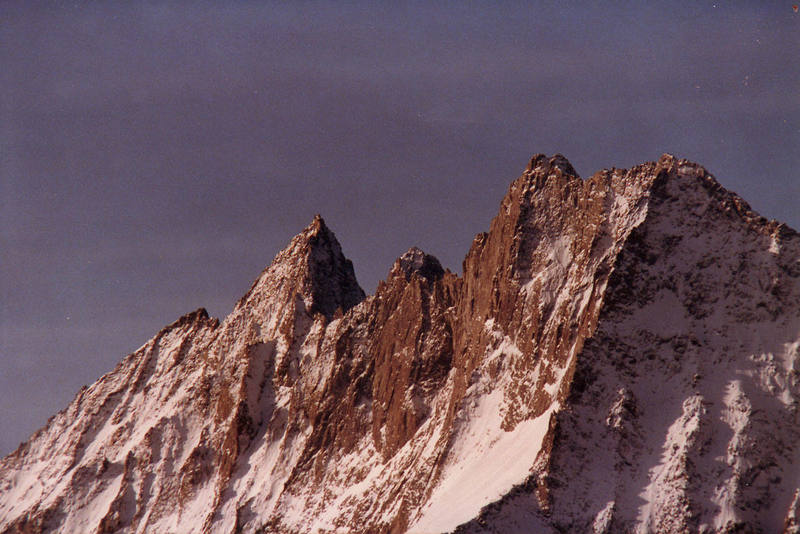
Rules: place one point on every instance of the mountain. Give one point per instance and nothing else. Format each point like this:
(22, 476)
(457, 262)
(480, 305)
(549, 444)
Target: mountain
(619, 355)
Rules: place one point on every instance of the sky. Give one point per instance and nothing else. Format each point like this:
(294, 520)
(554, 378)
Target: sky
(155, 156)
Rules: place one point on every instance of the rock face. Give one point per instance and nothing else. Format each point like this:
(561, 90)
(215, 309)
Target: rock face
(621, 354)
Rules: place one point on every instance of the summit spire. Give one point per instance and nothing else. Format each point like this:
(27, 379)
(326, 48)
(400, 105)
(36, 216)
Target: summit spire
(312, 267)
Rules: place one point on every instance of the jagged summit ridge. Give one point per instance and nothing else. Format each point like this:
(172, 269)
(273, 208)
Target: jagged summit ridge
(619, 355)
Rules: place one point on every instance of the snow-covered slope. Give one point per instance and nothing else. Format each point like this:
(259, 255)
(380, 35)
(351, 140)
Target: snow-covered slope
(620, 355)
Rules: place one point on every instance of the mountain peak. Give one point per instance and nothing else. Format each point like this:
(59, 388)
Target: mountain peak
(417, 261)
(332, 280)
(540, 163)
(309, 234)
(317, 225)
(313, 267)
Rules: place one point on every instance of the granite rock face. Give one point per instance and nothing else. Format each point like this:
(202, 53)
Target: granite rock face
(620, 354)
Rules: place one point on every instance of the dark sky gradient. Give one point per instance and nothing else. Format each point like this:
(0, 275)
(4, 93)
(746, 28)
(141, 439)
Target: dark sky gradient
(155, 156)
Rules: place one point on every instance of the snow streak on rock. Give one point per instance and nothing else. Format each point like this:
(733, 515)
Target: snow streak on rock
(619, 355)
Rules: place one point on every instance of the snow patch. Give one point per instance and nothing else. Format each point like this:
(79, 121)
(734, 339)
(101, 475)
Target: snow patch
(484, 464)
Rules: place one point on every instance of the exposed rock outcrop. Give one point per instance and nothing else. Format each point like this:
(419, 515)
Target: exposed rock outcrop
(620, 354)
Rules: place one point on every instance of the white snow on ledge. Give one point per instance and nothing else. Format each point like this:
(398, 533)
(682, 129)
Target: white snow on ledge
(484, 466)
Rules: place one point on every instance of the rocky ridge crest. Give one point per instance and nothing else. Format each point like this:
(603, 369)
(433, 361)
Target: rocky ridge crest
(620, 354)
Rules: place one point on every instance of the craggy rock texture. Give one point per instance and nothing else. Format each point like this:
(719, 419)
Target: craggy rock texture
(619, 355)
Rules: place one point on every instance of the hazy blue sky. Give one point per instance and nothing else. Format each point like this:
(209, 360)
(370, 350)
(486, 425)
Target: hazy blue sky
(154, 156)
